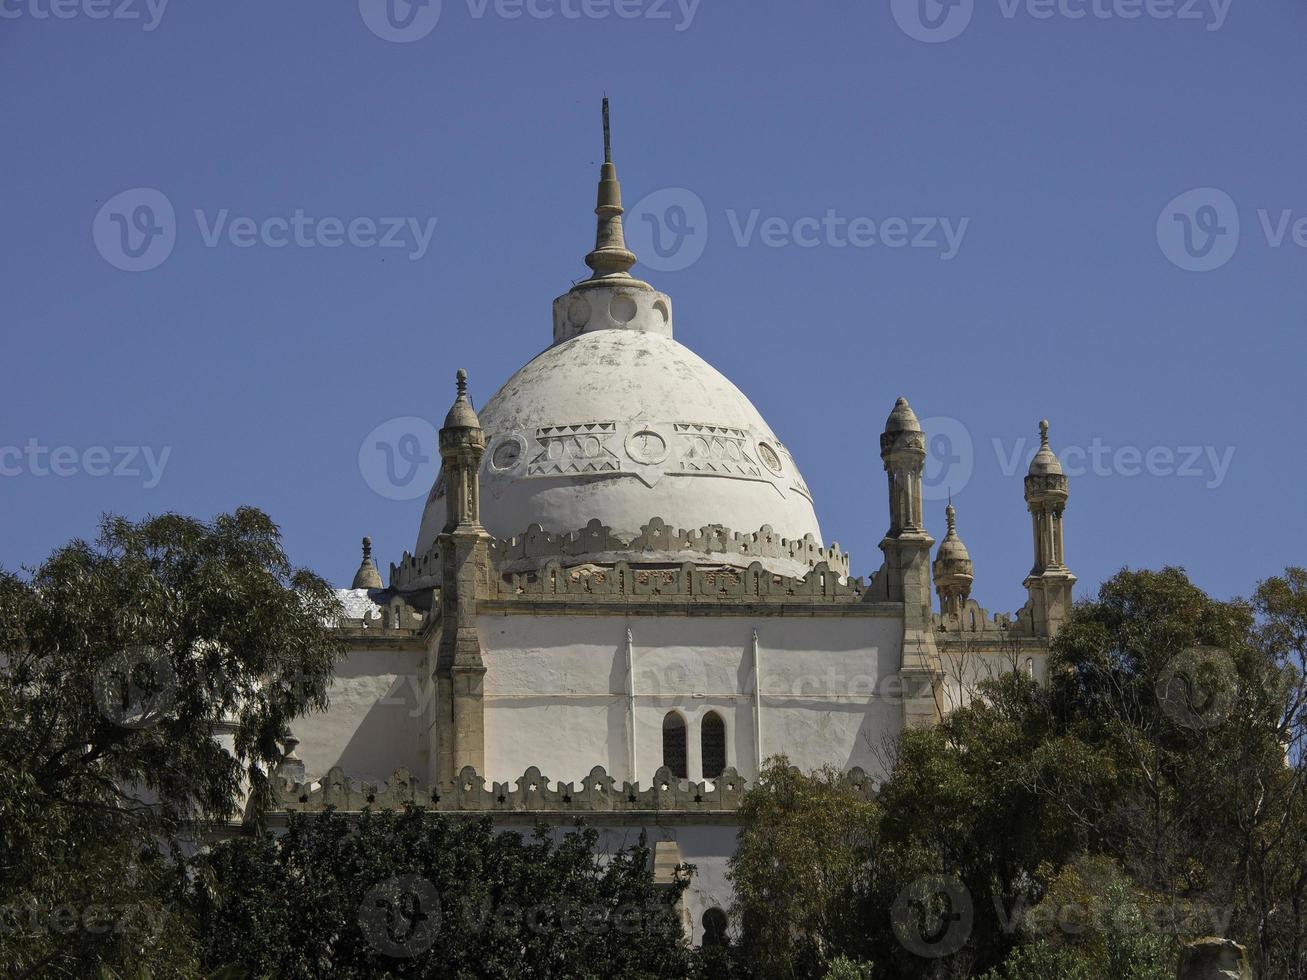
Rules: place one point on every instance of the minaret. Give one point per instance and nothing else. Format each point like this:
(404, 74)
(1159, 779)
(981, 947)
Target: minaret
(367, 577)
(611, 299)
(458, 729)
(953, 569)
(907, 564)
(1049, 582)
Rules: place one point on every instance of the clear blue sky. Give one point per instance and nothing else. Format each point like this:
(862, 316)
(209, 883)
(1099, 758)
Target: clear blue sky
(1060, 139)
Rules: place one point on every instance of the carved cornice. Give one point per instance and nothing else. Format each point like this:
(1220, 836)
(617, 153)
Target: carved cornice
(656, 544)
(597, 793)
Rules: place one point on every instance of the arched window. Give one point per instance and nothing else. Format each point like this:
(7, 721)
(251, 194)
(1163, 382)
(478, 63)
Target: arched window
(714, 927)
(674, 745)
(712, 740)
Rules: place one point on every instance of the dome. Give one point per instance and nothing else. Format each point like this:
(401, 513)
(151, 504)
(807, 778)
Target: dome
(625, 425)
(1045, 462)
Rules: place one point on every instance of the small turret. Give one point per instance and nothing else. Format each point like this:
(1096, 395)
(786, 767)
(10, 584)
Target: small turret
(953, 570)
(367, 577)
(462, 444)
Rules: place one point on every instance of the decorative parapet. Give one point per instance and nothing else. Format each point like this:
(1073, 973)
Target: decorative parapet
(376, 612)
(655, 544)
(976, 619)
(597, 793)
(688, 581)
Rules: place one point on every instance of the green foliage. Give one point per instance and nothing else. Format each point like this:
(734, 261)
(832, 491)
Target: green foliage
(801, 870)
(118, 661)
(1157, 782)
(843, 968)
(417, 894)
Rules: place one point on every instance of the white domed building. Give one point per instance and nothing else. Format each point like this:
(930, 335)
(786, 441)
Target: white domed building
(621, 603)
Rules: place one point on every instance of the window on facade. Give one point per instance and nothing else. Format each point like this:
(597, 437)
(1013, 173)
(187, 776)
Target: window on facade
(714, 927)
(712, 740)
(674, 745)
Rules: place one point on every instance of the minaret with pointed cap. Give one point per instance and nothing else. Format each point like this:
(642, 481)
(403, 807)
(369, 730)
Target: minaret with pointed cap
(953, 569)
(458, 728)
(611, 298)
(1049, 582)
(906, 570)
(367, 577)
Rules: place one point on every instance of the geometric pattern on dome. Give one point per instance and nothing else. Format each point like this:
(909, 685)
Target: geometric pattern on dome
(716, 449)
(568, 450)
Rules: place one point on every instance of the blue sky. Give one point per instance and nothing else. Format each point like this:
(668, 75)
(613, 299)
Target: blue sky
(988, 207)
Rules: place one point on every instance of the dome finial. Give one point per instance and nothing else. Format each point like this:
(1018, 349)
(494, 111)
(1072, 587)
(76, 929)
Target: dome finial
(367, 577)
(460, 379)
(1043, 433)
(610, 257)
(461, 414)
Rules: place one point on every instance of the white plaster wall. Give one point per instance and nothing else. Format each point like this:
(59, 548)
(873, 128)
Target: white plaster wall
(964, 672)
(375, 722)
(556, 690)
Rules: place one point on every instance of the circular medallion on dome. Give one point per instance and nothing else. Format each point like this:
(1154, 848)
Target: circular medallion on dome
(646, 446)
(769, 457)
(508, 453)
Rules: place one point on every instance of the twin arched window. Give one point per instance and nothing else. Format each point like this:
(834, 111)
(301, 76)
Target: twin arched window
(712, 744)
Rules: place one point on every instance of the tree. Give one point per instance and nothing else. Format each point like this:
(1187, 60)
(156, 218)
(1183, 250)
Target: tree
(420, 894)
(801, 871)
(121, 663)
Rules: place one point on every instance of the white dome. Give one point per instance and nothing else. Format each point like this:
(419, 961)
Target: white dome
(619, 422)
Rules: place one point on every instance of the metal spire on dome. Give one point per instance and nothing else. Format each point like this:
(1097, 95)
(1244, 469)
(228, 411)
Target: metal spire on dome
(610, 257)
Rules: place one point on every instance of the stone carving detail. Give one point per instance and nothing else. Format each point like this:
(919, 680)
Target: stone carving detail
(597, 793)
(688, 581)
(520, 557)
(596, 539)
(567, 450)
(975, 619)
(716, 449)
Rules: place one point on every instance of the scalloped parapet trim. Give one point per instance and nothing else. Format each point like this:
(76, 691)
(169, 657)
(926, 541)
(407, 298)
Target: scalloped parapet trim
(976, 619)
(686, 581)
(656, 543)
(469, 793)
